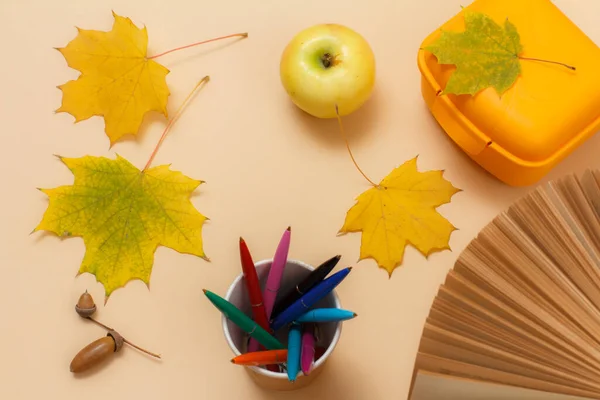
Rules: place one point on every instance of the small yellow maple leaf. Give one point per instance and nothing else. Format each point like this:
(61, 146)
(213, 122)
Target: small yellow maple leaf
(123, 214)
(400, 211)
(117, 80)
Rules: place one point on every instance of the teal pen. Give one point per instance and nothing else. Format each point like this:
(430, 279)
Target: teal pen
(294, 351)
(325, 315)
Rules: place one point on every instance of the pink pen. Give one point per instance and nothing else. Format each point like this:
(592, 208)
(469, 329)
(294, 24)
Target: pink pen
(276, 272)
(274, 278)
(307, 356)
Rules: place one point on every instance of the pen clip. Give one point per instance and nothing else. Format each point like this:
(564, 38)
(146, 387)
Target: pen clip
(273, 290)
(317, 333)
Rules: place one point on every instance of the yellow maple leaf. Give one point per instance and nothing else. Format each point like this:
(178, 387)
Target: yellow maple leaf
(117, 80)
(123, 214)
(401, 210)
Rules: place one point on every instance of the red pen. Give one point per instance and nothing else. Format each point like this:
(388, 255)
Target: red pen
(256, 299)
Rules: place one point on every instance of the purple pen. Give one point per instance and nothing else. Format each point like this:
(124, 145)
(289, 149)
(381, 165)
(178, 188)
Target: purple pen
(274, 278)
(307, 357)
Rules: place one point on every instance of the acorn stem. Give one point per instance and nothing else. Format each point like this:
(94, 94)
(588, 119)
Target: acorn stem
(125, 340)
(141, 349)
(108, 328)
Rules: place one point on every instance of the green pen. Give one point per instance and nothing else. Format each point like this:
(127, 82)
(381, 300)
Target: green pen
(245, 323)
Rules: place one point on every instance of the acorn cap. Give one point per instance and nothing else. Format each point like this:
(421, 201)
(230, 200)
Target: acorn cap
(117, 338)
(85, 307)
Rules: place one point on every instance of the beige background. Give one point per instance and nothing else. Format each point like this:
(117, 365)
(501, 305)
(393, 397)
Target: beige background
(266, 165)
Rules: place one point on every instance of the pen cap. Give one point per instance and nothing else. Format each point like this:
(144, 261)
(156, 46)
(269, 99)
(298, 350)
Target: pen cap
(328, 333)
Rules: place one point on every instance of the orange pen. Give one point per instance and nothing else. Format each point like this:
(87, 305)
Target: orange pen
(265, 357)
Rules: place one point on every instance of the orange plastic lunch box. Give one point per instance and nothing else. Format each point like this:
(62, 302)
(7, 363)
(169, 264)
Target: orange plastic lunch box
(548, 112)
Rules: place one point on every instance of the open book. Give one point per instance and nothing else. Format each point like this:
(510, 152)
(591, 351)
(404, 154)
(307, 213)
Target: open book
(521, 307)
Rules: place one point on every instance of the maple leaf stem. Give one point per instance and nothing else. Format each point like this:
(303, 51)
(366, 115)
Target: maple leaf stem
(243, 35)
(108, 328)
(172, 120)
(339, 119)
(548, 61)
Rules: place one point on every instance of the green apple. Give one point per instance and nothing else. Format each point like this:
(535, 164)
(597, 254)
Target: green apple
(327, 65)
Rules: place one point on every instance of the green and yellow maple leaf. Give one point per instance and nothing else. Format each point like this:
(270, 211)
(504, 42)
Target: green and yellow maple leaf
(401, 210)
(485, 55)
(117, 79)
(123, 214)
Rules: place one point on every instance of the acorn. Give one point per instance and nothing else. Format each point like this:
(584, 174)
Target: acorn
(100, 349)
(97, 352)
(85, 307)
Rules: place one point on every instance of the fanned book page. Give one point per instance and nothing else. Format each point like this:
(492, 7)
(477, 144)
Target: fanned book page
(521, 307)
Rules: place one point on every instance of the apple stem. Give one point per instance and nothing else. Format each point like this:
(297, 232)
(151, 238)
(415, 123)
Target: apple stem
(339, 118)
(547, 61)
(327, 59)
(172, 120)
(243, 35)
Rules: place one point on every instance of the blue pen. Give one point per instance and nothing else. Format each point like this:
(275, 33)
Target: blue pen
(310, 298)
(325, 315)
(294, 351)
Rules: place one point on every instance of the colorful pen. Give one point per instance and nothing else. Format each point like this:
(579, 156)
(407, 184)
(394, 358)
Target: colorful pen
(245, 323)
(294, 350)
(305, 302)
(314, 277)
(254, 292)
(276, 271)
(325, 315)
(307, 356)
(258, 358)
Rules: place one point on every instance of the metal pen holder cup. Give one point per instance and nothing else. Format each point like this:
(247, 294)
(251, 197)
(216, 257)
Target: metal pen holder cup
(328, 333)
